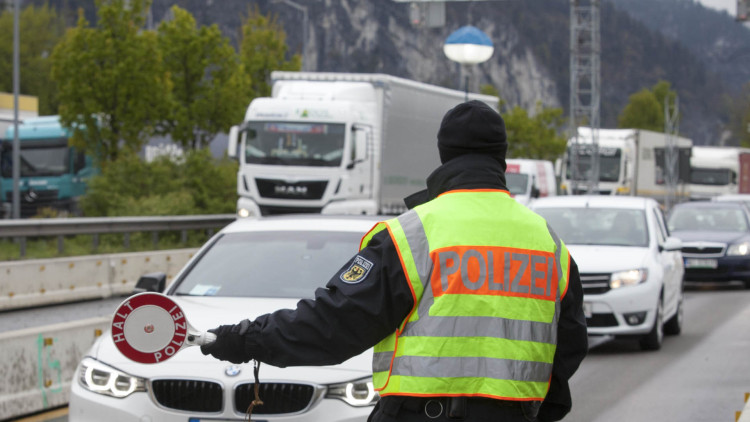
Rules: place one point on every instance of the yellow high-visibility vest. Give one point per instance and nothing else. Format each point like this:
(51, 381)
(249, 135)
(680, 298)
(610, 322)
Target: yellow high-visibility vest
(487, 276)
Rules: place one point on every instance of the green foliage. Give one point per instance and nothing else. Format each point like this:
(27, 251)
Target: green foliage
(263, 49)
(210, 88)
(645, 108)
(536, 136)
(111, 83)
(40, 29)
(196, 184)
(739, 116)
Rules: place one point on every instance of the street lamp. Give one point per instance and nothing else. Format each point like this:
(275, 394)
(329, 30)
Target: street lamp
(302, 9)
(468, 45)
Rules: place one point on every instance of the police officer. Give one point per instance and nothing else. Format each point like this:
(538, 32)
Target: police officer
(473, 305)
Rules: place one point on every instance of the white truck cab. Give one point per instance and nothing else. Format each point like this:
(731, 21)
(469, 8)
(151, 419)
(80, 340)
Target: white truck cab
(529, 179)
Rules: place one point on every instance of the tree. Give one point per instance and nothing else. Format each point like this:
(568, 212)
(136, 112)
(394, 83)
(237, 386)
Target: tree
(40, 29)
(535, 136)
(210, 88)
(262, 50)
(645, 108)
(739, 117)
(112, 88)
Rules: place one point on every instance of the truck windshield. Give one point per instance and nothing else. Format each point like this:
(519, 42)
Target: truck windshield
(609, 163)
(714, 177)
(517, 183)
(45, 158)
(295, 144)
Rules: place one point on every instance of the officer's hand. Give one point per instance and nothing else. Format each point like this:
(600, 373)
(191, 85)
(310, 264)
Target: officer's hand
(229, 344)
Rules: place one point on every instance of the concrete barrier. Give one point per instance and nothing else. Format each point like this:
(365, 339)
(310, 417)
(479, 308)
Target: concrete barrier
(38, 282)
(38, 364)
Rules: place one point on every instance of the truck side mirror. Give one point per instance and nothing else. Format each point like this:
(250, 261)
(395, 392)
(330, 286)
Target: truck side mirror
(534, 191)
(360, 139)
(151, 282)
(234, 134)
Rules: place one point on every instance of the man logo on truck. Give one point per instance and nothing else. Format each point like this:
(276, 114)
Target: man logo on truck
(290, 190)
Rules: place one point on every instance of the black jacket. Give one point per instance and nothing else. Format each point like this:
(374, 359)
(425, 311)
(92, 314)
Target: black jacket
(346, 319)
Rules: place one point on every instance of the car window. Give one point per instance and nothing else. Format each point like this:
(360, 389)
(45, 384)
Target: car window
(269, 264)
(707, 218)
(598, 226)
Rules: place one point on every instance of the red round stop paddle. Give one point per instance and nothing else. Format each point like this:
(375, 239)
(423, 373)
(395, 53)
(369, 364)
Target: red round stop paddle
(151, 328)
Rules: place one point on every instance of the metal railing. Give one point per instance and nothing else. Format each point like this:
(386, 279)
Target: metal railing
(23, 229)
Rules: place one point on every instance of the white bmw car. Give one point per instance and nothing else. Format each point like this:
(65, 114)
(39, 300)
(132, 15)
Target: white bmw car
(251, 267)
(631, 268)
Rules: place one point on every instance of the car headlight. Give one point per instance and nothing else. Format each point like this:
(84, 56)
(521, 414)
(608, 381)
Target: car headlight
(103, 379)
(356, 393)
(739, 249)
(628, 278)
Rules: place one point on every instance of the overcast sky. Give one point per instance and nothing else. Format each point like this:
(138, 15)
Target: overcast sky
(729, 5)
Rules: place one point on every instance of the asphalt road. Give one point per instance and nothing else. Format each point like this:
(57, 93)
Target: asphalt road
(700, 375)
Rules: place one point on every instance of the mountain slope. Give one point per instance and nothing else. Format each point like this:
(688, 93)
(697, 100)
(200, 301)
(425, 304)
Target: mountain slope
(531, 60)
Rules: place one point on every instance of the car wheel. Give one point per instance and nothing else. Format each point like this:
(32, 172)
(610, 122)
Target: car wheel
(673, 326)
(654, 339)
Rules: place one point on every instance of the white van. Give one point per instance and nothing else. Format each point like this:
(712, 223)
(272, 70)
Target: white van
(530, 179)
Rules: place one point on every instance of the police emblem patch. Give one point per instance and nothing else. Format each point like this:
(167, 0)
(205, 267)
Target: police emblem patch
(357, 271)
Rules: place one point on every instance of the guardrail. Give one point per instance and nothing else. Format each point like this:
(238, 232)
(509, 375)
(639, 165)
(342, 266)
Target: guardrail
(25, 228)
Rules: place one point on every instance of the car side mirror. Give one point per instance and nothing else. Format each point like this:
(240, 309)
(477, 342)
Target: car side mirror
(151, 282)
(671, 244)
(534, 192)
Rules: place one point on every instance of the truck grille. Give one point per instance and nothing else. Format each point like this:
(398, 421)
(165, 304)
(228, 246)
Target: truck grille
(188, 395)
(595, 283)
(277, 398)
(281, 189)
(32, 200)
(268, 210)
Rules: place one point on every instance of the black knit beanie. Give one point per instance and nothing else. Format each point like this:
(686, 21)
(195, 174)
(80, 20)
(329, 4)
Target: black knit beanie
(472, 127)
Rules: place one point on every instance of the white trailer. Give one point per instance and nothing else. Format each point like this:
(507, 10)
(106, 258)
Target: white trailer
(339, 143)
(715, 170)
(631, 162)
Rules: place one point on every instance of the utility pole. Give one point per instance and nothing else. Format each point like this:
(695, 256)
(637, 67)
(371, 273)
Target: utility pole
(16, 92)
(585, 82)
(671, 152)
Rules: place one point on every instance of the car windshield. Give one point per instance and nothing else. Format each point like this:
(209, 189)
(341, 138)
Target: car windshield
(294, 144)
(598, 226)
(517, 183)
(708, 219)
(279, 264)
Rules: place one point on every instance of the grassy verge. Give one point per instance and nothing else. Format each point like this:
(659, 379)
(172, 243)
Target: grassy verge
(42, 248)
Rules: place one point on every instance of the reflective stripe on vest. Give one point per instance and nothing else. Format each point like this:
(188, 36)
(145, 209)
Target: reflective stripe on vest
(487, 291)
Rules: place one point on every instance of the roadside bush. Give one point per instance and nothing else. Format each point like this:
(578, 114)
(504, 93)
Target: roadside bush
(196, 183)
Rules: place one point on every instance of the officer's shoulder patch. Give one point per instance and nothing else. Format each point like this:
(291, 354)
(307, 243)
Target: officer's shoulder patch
(357, 271)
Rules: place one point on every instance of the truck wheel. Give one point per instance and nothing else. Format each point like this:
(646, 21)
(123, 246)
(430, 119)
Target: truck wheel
(654, 339)
(673, 326)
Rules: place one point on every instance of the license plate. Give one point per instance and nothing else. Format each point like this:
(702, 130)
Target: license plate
(701, 263)
(587, 309)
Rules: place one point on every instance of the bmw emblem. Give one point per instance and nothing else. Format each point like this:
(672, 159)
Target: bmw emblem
(232, 370)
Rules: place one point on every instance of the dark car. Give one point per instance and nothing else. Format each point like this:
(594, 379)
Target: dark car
(715, 240)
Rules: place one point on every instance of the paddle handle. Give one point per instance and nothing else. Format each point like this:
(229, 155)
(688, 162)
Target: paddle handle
(200, 339)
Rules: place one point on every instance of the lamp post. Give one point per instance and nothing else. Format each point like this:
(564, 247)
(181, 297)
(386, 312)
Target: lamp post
(302, 9)
(468, 45)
